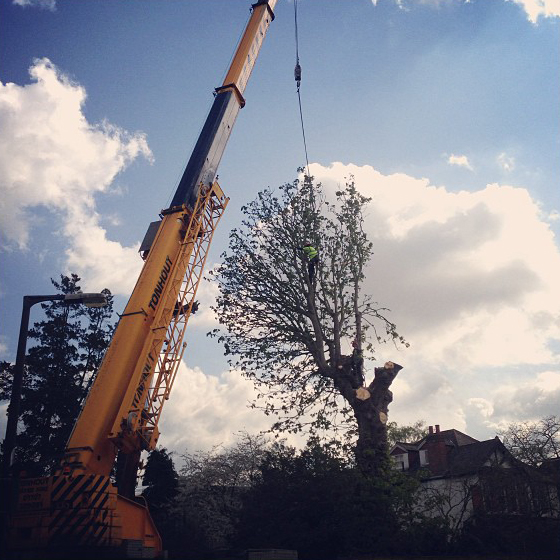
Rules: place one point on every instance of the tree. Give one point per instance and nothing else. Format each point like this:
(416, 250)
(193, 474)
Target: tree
(59, 370)
(317, 502)
(161, 489)
(533, 442)
(6, 375)
(292, 336)
(214, 482)
(405, 434)
(160, 479)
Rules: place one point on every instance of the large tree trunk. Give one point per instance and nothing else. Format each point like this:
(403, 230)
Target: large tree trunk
(370, 406)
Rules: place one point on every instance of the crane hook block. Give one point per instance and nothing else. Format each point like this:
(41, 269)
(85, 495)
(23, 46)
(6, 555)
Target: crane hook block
(297, 73)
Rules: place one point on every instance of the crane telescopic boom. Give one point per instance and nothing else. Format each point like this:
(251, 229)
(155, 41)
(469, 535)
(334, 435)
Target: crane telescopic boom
(79, 508)
(203, 163)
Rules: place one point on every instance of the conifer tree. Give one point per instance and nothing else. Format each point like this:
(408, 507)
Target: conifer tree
(65, 351)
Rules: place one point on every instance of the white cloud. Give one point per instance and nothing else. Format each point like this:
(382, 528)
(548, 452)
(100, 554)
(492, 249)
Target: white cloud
(548, 381)
(461, 161)
(45, 4)
(207, 410)
(52, 157)
(206, 296)
(530, 400)
(473, 282)
(100, 262)
(539, 8)
(483, 405)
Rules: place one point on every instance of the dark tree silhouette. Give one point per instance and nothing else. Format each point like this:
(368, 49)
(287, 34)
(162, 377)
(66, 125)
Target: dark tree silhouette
(317, 502)
(533, 442)
(161, 483)
(59, 369)
(160, 478)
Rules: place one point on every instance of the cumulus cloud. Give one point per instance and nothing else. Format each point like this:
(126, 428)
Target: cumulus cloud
(539, 8)
(473, 281)
(207, 410)
(206, 296)
(52, 157)
(483, 405)
(530, 400)
(461, 161)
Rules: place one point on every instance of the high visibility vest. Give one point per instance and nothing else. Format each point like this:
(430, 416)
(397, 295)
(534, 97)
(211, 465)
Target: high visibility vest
(311, 252)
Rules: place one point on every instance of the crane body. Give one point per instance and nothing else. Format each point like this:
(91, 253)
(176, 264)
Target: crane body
(79, 508)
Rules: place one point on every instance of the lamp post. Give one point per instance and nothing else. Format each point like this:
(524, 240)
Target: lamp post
(90, 300)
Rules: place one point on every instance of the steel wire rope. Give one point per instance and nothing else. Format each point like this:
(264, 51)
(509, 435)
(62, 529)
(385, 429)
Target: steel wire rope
(313, 233)
(297, 75)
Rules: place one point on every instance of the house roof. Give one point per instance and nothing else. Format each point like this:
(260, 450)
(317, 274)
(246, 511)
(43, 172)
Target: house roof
(470, 458)
(450, 437)
(466, 455)
(405, 446)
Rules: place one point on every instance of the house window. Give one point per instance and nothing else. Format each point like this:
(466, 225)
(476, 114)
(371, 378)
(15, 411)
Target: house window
(424, 457)
(401, 461)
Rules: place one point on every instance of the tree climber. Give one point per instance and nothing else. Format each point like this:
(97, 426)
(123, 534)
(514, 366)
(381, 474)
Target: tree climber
(313, 256)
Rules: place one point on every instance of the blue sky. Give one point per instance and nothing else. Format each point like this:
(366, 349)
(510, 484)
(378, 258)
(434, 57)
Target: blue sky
(445, 111)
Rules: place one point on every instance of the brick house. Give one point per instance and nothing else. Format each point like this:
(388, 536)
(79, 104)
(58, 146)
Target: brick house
(435, 453)
(463, 479)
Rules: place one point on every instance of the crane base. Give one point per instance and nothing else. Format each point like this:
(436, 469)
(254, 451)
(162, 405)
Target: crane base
(73, 516)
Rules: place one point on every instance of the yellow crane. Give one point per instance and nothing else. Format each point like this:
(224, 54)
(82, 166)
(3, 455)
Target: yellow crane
(79, 510)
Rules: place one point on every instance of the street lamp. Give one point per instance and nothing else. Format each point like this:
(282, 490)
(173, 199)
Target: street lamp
(89, 300)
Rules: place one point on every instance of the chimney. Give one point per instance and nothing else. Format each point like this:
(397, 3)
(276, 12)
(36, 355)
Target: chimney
(437, 451)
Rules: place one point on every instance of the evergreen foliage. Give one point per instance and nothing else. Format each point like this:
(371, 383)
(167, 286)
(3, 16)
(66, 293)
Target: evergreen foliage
(160, 479)
(59, 369)
(161, 490)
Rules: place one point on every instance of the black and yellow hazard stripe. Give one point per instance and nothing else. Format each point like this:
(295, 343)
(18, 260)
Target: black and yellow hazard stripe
(82, 510)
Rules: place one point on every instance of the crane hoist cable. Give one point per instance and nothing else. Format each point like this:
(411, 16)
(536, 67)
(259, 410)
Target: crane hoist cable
(297, 76)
